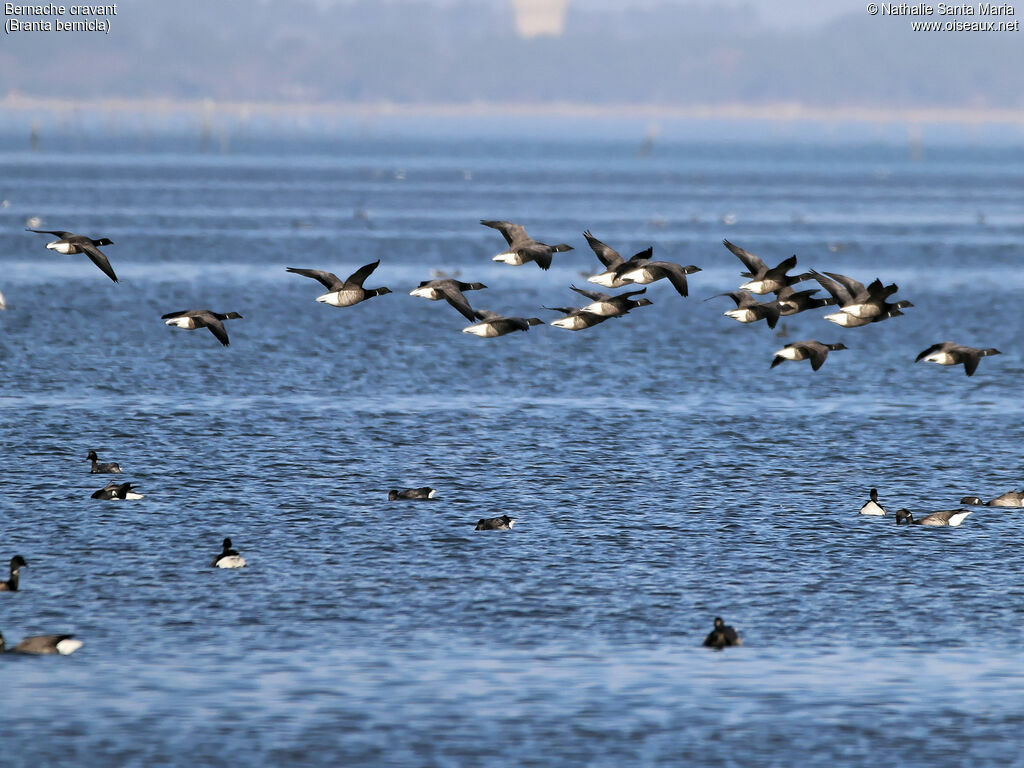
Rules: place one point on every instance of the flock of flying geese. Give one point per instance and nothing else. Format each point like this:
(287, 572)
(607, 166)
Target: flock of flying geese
(857, 305)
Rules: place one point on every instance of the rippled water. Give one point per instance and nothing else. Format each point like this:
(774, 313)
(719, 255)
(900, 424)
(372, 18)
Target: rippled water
(660, 473)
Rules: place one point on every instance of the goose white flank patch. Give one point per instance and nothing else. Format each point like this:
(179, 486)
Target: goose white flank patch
(70, 243)
(872, 506)
(228, 558)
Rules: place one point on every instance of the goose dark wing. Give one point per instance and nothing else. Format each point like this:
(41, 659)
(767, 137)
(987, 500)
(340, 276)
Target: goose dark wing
(326, 279)
(357, 277)
(608, 255)
(216, 327)
(454, 296)
(513, 232)
(674, 273)
(849, 283)
(592, 295)
(838, 291)
(750, 261)
(55, 232)
(98, 258)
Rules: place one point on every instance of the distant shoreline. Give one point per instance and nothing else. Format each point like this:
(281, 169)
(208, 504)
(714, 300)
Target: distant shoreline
(782, 112)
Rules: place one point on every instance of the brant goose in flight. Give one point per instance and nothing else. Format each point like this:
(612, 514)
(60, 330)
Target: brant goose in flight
(343, 293)
(872, 507)
(802, 350)
(576, 319)
(190, 319)
(650, 271)
(1008, 499)
(614, 264)
(228, 558)
(412, 494)
(451, 291)
(502, 523)
(611, 306)
(71, 243)
(947, 517)
(492, 324)
(948, 353)
(116, 492)
(108, 468)
(523, 248)
(762, 279)
(11, 585)
(793, 302)
(722, 636)
(750, 310)
(867, 305)
(42, 644)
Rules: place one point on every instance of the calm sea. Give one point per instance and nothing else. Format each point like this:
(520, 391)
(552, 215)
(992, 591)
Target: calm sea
(660, 473)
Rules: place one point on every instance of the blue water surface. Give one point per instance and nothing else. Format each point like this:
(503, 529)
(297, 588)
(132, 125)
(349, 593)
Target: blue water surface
(660, 473)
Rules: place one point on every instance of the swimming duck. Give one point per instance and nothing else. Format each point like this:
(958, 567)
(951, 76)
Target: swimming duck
(343, 293)
(946, 517)
(802, 350)
(872, 507)
(11, 585)
(1008, 499)
(948, 353)
(412, 494)
(611, 306)
(722, 636)
(190, 319)
(762, 279)
(70, 243)
(228, 558)
(43, 644)
(451, 291)
(750, 310)
(613, 262)
(492, 324)
(575, 318)
(116, 492)
(109, 467)
(502, 523)
(523, 248)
